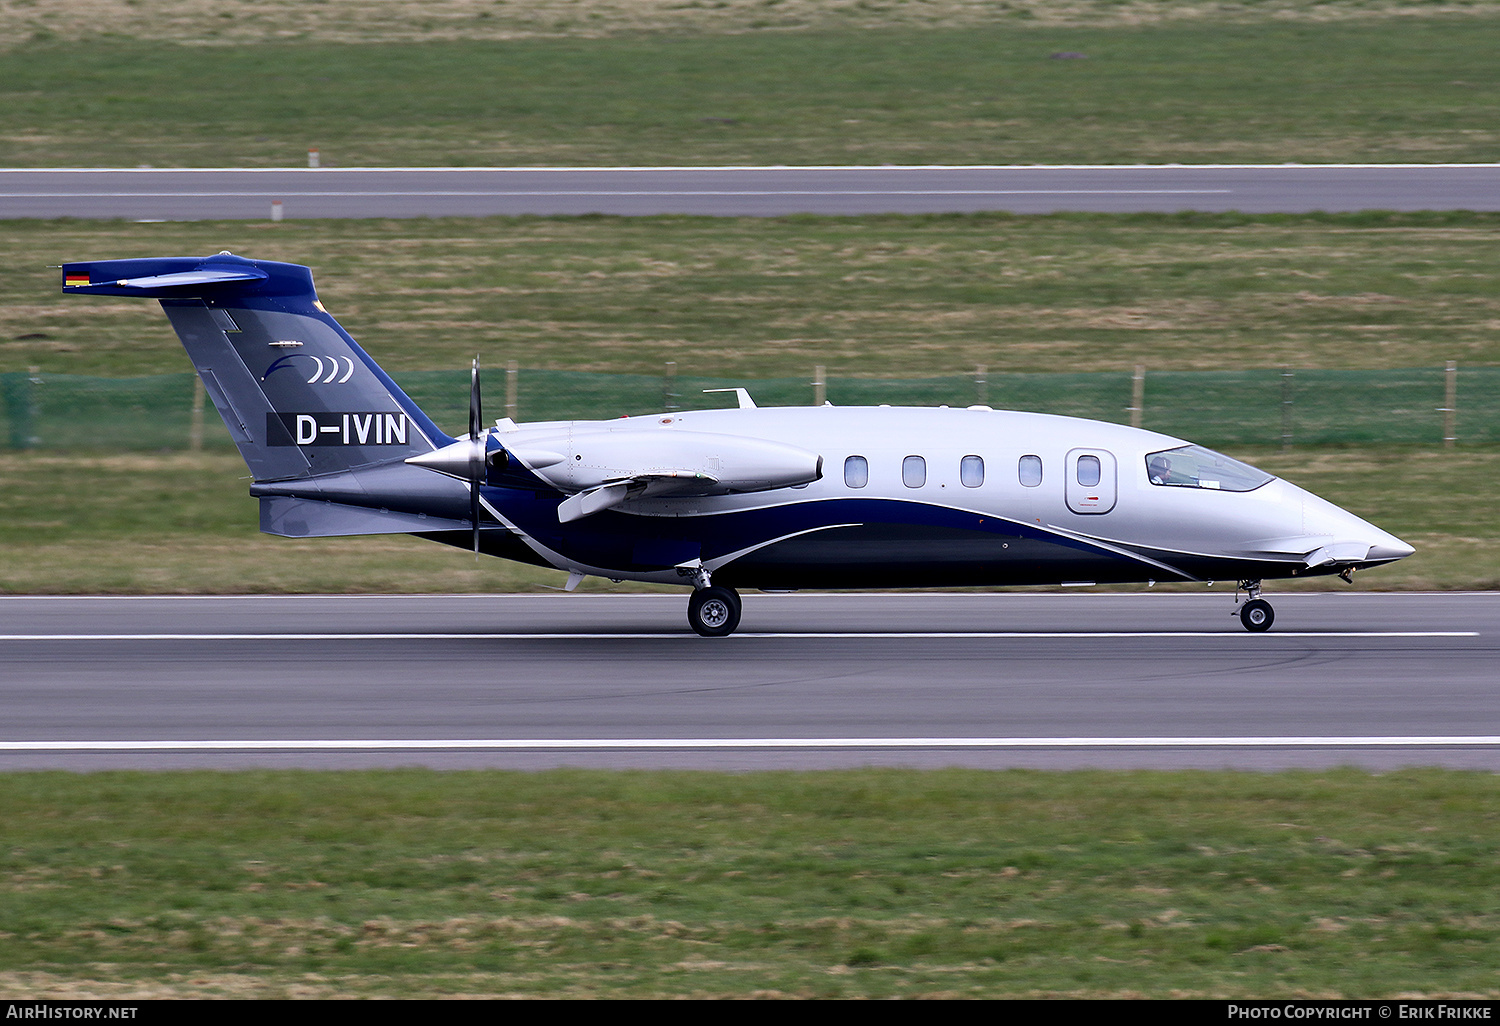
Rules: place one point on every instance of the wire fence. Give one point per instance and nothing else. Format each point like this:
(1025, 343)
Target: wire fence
(1223, 409)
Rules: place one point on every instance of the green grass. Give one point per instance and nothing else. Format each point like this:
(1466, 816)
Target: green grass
(250, 22)
(886, 296)
(1209, 89)
(645, 884)
(1434, 499)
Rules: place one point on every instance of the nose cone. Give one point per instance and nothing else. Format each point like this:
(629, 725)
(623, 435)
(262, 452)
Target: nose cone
(1384, 547)
(1388, 549)
(1354, 540)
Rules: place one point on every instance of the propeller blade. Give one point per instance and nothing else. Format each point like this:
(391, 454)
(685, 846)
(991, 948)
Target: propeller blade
(476, 417)
(476, 457)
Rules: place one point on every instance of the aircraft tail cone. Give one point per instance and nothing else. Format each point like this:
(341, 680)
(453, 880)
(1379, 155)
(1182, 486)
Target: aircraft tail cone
(453, 460)
(463, 459)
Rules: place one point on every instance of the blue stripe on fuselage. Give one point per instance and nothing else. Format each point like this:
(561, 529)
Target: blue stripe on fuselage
(640, 544)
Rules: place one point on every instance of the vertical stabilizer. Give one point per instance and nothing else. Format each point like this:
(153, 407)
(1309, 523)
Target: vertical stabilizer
(299, 396)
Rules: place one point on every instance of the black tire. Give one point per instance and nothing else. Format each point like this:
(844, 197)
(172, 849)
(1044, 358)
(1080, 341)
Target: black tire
(1257, 615)
(714, 612)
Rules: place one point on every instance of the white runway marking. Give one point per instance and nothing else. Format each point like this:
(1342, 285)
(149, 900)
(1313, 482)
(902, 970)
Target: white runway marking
(619, 636)
(604, 744)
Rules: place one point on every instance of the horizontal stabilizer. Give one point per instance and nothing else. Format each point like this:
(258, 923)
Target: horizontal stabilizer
(101, 277)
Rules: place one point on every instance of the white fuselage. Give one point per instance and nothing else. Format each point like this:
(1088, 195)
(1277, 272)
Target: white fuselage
(1078, 483)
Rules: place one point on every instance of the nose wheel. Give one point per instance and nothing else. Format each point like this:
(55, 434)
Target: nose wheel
(714, 612)
(1256, 614)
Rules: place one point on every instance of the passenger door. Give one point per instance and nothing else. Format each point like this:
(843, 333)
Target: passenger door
(1091, 482)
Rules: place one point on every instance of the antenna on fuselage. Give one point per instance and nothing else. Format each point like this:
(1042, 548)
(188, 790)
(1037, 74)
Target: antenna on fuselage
(746, 403)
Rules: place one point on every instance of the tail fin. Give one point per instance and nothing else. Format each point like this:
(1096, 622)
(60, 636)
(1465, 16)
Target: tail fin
(299, 396)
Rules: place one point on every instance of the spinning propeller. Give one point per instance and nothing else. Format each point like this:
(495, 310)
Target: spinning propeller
(476, 452)
(466, 459)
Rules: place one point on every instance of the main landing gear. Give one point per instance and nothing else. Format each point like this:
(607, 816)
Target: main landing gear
(1256, 614)
(714, 612)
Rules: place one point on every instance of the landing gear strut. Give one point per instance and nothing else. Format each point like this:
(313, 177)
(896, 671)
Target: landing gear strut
(1256, 614)
(714, 612)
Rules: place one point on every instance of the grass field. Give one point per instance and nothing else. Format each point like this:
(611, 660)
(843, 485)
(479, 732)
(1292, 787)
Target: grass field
(589, 884)
(888, 296)
(248, 22)
(470, 83)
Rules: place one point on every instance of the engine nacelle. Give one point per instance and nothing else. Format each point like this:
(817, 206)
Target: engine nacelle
(668, 462)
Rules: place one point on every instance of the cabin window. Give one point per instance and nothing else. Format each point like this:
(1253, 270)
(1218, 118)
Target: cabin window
(971, 471)
(856, 472)
(1193, 466)
(914, 472)
(1088, 471)
(1030, 471)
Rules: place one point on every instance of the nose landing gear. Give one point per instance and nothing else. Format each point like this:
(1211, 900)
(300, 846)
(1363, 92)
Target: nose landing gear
(1256, 614)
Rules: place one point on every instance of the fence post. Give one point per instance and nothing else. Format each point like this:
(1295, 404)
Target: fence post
(29, 439)
(512, 373)
(1286, 408)
(195, 429)
(669, 395)
(1138, 396)
(981, 386)
(820, 387)
(1450, 405)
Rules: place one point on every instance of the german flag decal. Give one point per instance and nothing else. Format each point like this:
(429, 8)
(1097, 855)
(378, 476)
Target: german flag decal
(75, 278)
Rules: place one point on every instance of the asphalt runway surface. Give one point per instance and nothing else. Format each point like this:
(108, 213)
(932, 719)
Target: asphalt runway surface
(166, 194)
(811, 681)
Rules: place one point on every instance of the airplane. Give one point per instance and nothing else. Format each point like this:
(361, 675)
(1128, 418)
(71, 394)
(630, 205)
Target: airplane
(777, 499)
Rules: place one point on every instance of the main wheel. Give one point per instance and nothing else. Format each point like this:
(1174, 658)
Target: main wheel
(714, 612)
(1257, 615)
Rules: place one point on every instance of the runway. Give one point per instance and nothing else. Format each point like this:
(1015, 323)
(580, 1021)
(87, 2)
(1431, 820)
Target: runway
(812, 680)
(170, 194)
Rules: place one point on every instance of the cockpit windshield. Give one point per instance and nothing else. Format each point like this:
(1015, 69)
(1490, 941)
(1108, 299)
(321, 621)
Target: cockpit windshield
(1193, 466)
